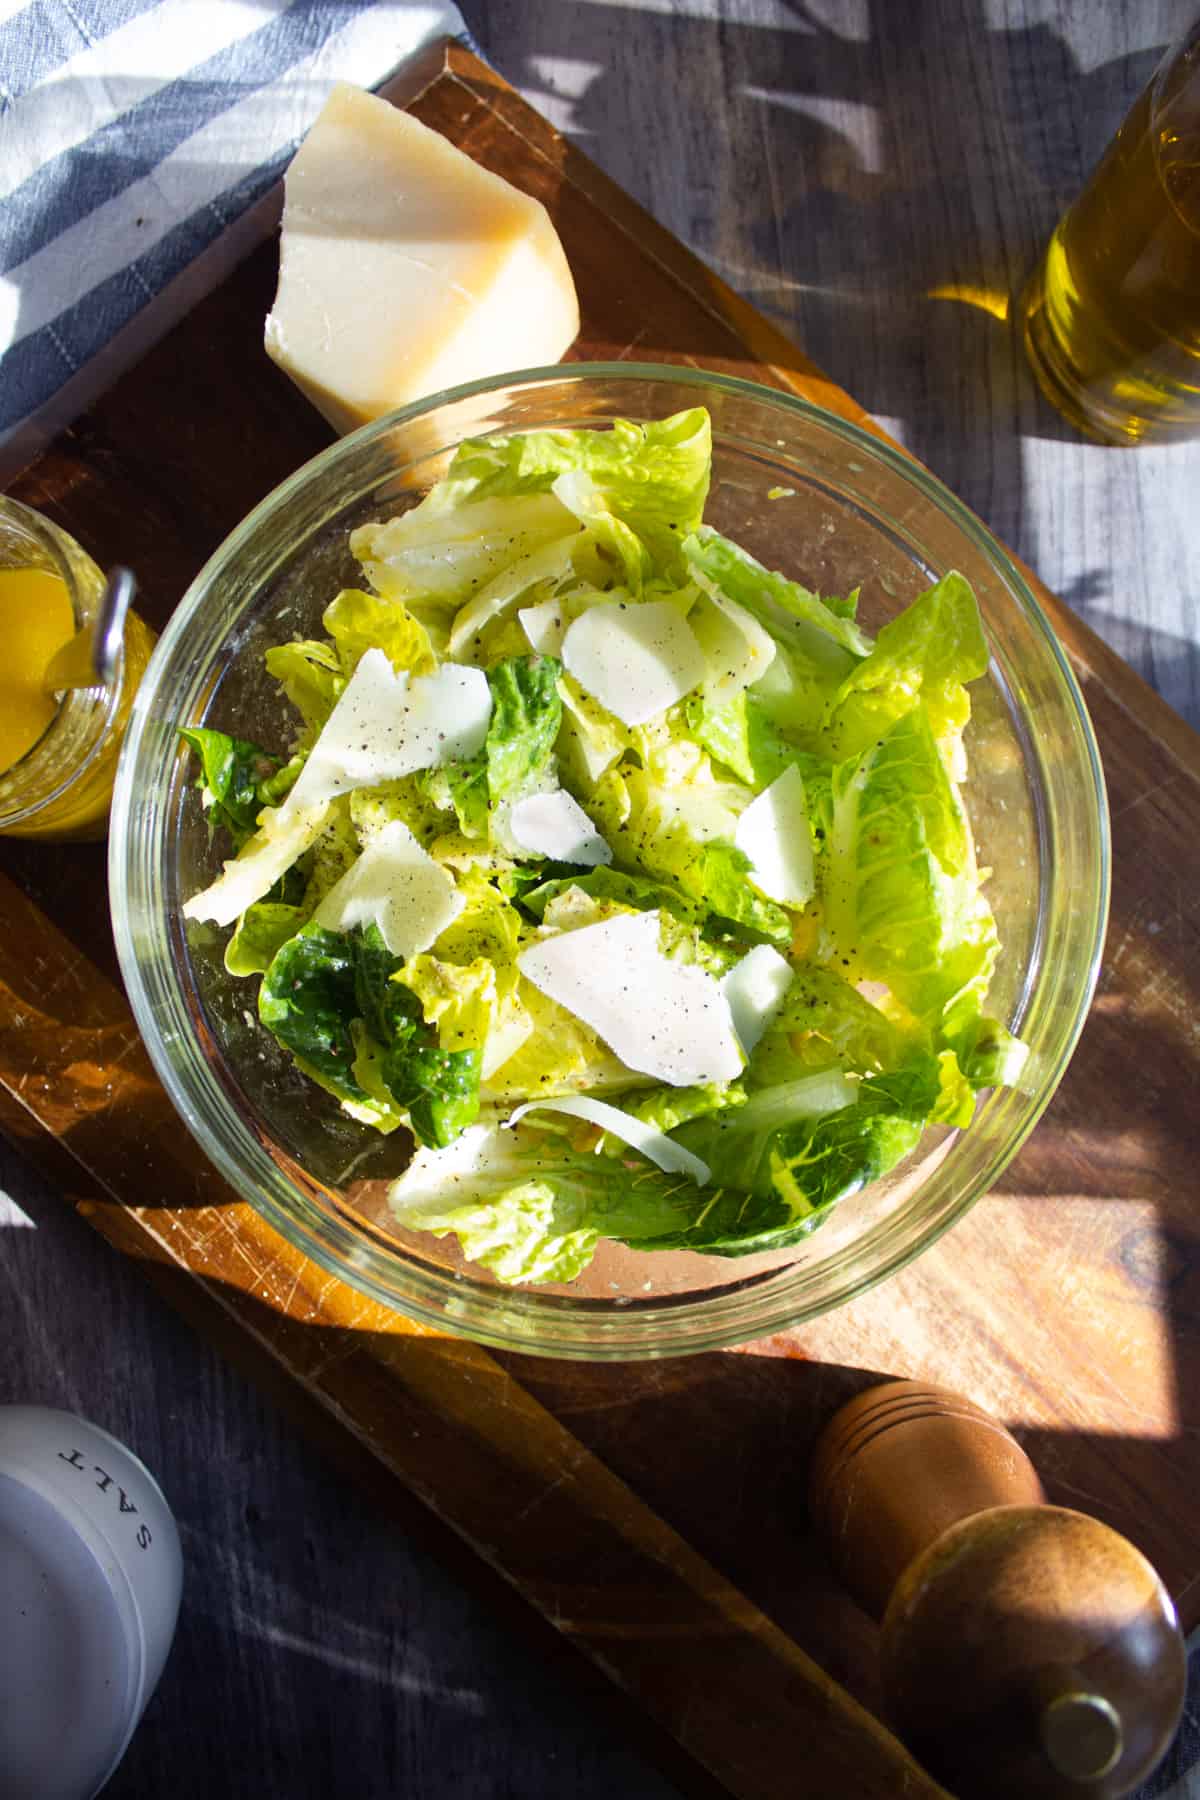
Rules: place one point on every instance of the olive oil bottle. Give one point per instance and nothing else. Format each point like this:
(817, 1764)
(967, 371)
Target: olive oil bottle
(1111, 317)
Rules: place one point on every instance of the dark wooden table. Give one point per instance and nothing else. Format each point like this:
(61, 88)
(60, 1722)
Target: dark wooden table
(876, 178)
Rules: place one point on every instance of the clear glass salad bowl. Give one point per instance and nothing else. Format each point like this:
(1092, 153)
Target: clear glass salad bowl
(806, 493)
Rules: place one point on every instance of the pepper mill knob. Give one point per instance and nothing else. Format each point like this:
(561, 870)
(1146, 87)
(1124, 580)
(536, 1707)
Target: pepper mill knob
(1026, 1649)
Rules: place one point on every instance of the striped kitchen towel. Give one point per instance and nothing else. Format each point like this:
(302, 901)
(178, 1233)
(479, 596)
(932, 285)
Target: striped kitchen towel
(135, 135)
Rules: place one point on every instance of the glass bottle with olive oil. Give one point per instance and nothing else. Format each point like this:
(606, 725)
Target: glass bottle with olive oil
(1111, 317)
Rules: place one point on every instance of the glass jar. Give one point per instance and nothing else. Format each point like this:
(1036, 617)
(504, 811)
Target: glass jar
(60, 786)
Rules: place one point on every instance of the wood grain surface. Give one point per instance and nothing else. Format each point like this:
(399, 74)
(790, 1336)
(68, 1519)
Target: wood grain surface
(1101, 1383)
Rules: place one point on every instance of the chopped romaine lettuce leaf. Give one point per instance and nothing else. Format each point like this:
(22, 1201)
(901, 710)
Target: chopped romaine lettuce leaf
(924, 656)
(903, 903)
(307, 1001)
(233, 779)
(526, 714)
(336, 1001)
(437, 556)
(652, 477)
(311, 676)
(260, 934)
(358, 622)
(778, 604)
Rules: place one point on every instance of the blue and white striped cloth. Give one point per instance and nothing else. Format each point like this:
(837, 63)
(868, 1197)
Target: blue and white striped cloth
(133, 135)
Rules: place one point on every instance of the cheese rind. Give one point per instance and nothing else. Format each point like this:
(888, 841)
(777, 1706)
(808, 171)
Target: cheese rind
(406, 268)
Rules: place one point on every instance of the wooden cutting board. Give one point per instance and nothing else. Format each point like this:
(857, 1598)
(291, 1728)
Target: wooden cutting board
(652, 1513)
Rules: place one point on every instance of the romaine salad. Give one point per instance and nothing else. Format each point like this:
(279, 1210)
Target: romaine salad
(629, 877)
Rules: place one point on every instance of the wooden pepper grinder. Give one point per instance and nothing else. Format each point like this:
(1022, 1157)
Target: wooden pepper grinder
(1028, 1652)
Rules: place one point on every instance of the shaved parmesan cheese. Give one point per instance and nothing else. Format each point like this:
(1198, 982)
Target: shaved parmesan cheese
(555, 825)
(636, 660)
(653, 1144)
(438, 1180)
(549, 563)
(284, 834)
(544, 625)
(661, 1017)
(737, 649)
(396, 885)
(387, 724)
(755, 990)
(773, 832)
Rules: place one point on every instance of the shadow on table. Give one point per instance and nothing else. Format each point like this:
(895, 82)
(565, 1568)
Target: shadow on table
(716, 1445)
(912, 175)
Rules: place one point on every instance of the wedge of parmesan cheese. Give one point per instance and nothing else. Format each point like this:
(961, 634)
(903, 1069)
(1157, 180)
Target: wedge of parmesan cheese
(406, 268)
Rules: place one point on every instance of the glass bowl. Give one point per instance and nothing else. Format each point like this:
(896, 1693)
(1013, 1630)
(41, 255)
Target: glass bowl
(806, 493)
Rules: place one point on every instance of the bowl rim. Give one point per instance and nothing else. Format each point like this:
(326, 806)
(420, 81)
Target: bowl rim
(596, 1329)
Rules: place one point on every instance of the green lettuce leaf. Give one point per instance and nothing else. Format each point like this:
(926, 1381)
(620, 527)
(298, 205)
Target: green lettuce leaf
(653, 478)
(616, 547)
(903, 904)
(682, 834)
(357, 622)
(923, 657)
(822, 1019)
(475, 1006)
(989, 1053)
(526, 715)
(530, 1207)
(720, 876)
(311, 676)
(307, 1000)
(797, 1145)
(740, 736)
(439, 1088)
(791, 613)
(665, 1108)
(335, 1002)
(261, 933)
(234, 775)
(815, 648)
(637, 892)
(590, 739)
(453, 544)
(489, 925)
